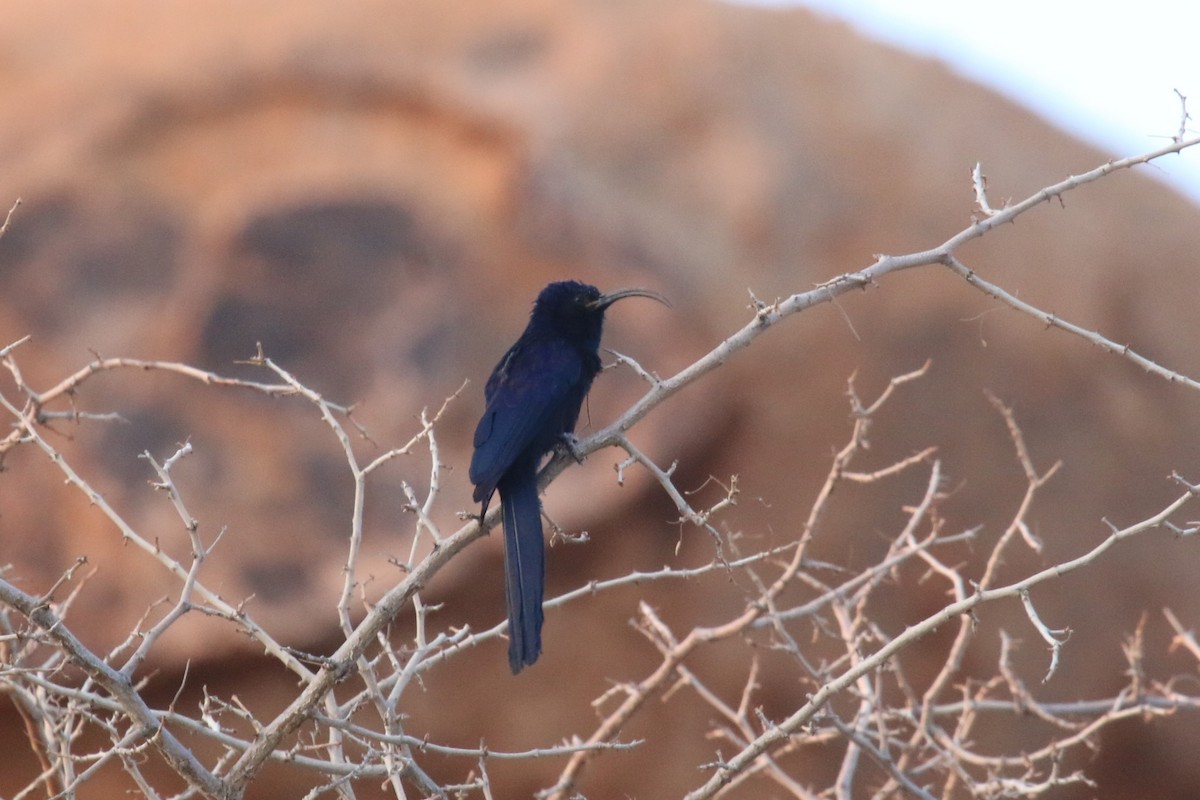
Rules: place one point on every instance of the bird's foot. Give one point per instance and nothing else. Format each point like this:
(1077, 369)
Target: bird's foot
(468, 516)
(569, 444)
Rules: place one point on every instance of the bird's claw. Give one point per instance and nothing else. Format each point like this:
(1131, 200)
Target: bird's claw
(569, 444)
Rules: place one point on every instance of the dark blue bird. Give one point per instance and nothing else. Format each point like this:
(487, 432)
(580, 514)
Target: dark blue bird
(533, 399)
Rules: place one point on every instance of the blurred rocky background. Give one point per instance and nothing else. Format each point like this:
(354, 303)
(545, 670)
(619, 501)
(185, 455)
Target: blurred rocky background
(376, 191)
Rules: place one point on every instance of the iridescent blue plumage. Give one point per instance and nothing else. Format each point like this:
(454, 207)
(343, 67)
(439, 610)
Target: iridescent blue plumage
(533, 399)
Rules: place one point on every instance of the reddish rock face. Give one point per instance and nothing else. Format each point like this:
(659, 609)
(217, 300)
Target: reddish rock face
(377, 197)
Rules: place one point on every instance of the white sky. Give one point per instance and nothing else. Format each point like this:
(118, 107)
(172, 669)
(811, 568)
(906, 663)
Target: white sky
(1105, 71)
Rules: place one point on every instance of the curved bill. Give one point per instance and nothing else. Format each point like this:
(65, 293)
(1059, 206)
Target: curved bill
(605, 300)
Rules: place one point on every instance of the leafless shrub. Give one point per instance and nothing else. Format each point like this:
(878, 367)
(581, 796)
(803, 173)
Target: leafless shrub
(895, 737)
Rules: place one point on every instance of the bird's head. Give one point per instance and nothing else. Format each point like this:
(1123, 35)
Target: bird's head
(576, 310)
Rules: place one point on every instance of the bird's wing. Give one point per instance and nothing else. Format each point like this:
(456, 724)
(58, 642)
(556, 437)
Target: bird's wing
(527, 397)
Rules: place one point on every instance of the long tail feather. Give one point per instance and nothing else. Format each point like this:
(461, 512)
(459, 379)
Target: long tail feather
(524, 564)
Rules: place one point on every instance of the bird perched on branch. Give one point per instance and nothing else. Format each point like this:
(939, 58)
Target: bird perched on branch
(533, 399)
